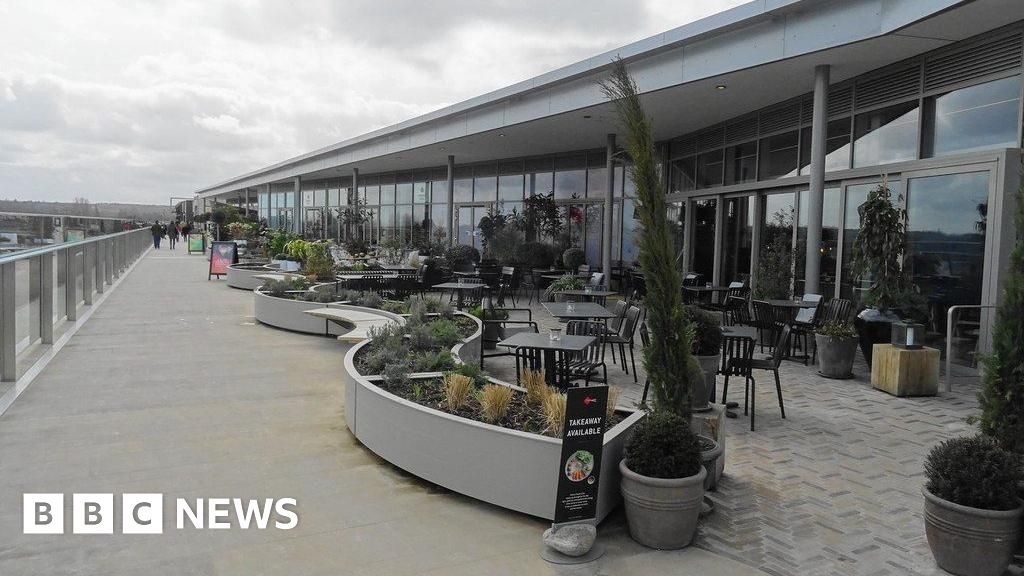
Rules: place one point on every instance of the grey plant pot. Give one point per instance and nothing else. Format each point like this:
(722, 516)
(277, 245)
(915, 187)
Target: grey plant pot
(702, 390)
(662, 513)
(970, 541)
(835, 355)
(711, 464)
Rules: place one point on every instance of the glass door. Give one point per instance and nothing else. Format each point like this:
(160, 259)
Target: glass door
(467, 220)
(738, 238)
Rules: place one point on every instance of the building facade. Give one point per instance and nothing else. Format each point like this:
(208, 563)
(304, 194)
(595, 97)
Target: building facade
(775, 119)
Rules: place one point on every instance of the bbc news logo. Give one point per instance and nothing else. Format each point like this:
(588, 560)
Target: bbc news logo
(144, 513)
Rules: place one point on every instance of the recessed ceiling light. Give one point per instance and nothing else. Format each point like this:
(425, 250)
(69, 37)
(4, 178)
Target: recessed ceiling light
(502, 135)
(443, 148)
(721, 87)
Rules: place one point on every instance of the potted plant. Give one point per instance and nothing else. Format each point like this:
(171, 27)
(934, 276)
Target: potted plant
(662, 476)
(707, 345)
(836, 343)
(878, 254)
(573, 258)
(565, 282)
(971, 510)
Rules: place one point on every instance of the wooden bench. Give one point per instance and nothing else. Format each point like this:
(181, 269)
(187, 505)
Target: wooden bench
(357, 321)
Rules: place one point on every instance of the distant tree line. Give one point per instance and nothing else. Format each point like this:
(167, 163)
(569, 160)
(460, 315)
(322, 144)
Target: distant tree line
(82, 207)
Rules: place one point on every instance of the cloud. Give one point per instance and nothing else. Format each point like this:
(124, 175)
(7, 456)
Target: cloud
(139, 102)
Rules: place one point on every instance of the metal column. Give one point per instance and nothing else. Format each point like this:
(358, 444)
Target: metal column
(609, 211)
(451, 199)
(816, 194)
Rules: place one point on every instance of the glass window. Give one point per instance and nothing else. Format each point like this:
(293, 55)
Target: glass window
(975, 118)
(404, 222)
(463, 190)
(403, 193)
(439, 216)
(485, 183)
(828, 247)
(704, 238)
(597, 182)
(438, 191)
(886, 135)
(372, 193)
(947, 219)
(387, 189)
(421, 192)
(333, 197)
(779, 155)
(307, 198)
(387, 220)
(683, 175)
(855, 196)
(709, 169)
(594, 234)
(510, 187)
(741, 163)
(739, 231)
(571, 177)
(540, 183)
(837, 147)
(320, 198)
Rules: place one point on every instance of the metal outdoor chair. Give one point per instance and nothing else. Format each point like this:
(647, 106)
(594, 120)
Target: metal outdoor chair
(744, 367)
(624, 338)
(585, 365)
(506, 285)
(804, 324)
(501, 323)
(736, 312)
(764, 321)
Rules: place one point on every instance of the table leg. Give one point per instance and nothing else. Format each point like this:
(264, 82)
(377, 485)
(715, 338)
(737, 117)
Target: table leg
(458, 300)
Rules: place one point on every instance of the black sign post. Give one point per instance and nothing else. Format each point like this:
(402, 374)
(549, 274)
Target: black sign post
(579, 471)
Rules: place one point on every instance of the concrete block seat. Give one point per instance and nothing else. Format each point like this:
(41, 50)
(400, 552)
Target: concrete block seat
(278, 276)
(359, 321)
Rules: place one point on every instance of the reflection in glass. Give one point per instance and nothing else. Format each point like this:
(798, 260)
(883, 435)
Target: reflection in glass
(774, 274)
(837, 147)
(855, 196)
(741, 163)
(779, 155)
(974, 118)
(704, 238)
(709, 169)
(630, 232)
(510, 187)
(570, 184)
(946, 226)
(739, 230)
(886, 135)
(463, 190)
(829, 243)
(594, 233)
(683, 175)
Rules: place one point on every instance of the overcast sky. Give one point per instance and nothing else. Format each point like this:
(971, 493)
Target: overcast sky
(141, 101)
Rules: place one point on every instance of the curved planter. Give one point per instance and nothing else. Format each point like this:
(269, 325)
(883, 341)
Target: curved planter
(970, 541)
(508, 468)
(286, 265)
(242, 276)
(662, 513)
(290, 314)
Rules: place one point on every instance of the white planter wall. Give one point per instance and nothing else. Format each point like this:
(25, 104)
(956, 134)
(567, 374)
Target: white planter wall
(244, 277)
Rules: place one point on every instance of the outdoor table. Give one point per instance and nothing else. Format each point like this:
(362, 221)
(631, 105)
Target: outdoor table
(473, 274)
(707, 291)
(459, 287)
(785, 310)
(548, 348)
(587, 294)
(580, 311)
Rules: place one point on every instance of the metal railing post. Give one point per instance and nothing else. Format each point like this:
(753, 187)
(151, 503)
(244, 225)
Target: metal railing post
(71, 285)
(88, 275)
(109, 254)
(950, 314)
(100, 262)
(8, 324)
(46, 295)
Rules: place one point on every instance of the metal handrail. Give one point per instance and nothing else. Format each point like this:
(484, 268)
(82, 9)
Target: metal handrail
(949, 338)
(30, 252)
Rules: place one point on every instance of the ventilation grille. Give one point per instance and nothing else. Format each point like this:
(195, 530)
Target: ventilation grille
(778, 119)
(710, 140)
(686, 147)
(971, 62)
(741, 130)
(840, 101)
(889, 87)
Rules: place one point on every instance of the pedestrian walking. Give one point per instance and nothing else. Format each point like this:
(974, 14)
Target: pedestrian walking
(172, 235)
(157, 232)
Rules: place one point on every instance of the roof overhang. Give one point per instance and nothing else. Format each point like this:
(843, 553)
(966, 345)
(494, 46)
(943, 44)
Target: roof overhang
(763, 52)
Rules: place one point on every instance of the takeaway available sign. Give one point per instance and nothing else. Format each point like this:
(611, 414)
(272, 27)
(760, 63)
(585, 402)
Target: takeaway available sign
(579, 469)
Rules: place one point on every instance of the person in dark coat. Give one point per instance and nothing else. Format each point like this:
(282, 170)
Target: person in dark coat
(157, 230)
(172, 234)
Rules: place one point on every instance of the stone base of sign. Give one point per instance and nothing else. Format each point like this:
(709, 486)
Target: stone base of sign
(903, 372)
(556, 557)
(575, 539)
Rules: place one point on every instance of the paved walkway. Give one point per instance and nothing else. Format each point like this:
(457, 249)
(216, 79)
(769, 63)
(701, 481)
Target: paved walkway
(172, 388)
(835, 488)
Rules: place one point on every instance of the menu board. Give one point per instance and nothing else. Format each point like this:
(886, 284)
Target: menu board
(196, 242)
(222, 255)
(579, 469)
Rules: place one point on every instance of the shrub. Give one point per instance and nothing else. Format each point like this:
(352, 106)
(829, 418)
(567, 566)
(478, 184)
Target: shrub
(456, 390)
(573, 258)
(974, 471)
(837, 330)
(439, 361)
(554, 412)
(319, 296)
(446, 332)
(369, 300)
(566, 282)
(662, 446)
(494, 401)
(394, 307)
(377, 358)
(421, 338)
(319, 264)
(537, 255)
(461, 255)
(396, 374)
(474, 371)
(707, 333)
(536, 387)
(1002, 390)
(613, 401)
(280, 288)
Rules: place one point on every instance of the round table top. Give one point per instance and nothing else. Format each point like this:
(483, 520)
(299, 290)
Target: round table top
(792, 303)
